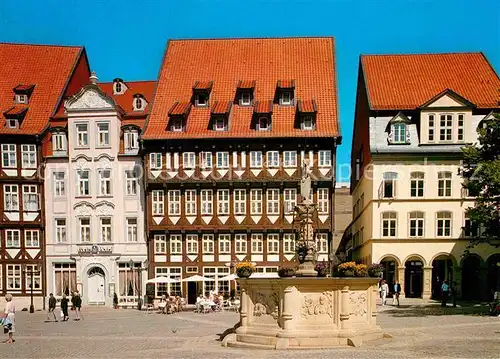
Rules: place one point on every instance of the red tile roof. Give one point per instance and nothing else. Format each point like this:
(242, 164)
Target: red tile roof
(246, 84)
(306, 106)
(203, 85)
(403, 82)
(126, 100)
(221, 107)
(286, 84)
(46, 67)
(180, 109)
(310, 61)
(263, 106)
(15, 111)
(23, 88)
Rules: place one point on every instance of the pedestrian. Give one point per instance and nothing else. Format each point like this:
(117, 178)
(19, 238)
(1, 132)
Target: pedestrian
(453, 290)
(77, 302)
(52, 306)
(384, 290)
(397, 292)
(64, 307)
(445, 290)
(10, 316)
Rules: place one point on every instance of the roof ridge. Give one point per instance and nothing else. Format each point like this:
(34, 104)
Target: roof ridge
(423, 53)
(134, 81)
(252, 38)
(41, 45)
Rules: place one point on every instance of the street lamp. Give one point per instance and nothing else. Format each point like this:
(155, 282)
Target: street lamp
(139, 270)
(31, 273)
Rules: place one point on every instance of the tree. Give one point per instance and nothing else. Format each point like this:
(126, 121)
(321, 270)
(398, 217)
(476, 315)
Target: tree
(481, 171)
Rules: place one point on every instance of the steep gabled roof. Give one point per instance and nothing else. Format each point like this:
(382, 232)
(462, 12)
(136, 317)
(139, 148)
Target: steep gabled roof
(230, 63)
(405, 82)
(47, 68)
(125, 100)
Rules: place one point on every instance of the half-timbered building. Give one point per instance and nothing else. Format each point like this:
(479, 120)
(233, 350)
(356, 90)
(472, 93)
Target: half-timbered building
(231, 125)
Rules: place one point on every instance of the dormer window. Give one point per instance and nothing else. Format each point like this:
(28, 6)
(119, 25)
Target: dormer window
(139, 102)
(285, 98)
(399, 133)
(178, 115)
(307, 123)
(262, 115)
(244, 92)
(220, 124)
(220, 115)
(21, 98)
(201, 99)
(23, 93)
(12, 123)
(201, 93)
(15, 115)
(398, 130)
(245, 98)
(177, 125)
(59, 146)
(263, 124)
(131, 140)
(119, 87)
(306, 115)
(285, 92)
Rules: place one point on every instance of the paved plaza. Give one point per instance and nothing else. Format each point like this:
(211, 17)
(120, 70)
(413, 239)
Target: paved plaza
(417, 332)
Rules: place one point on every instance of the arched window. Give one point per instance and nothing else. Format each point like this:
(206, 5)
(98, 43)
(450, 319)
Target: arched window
(138, 103)
(416, 224)
(444, 184)
(443, 224)
(417, 184)
(118, 87)
(389, 224)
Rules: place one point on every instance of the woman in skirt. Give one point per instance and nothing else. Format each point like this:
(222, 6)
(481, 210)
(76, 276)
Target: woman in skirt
(10, 314)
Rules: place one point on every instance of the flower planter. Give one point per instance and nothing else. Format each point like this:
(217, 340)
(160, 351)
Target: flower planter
(244, 272)
(321, 273)
(348, 273)
(286, 272)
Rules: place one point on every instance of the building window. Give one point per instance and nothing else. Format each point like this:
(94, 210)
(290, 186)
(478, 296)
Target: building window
(240, 241)
(131, 183)
(322, 243)
(273, 159)
(288, 243)
(155, 161)
(323, 200)
(59, 142)
(168, 289)
(307, 123)
(83, 182)
(273, 201)
(12, 123)
(175, 244)
(273, 243)
(37, 277)
(192, 243)
(131, 224)
(285, 98)
(11, 198)
(444, 184)
(206, 159)
(118, 88)
(255, 159)
(208, 243)
(158, 202)
(257, 243)
(224, 243)
(460, 126)
(13, 277)
(431, 128)
(240, 207)
(222, 160)
(59, 184)
(471, 229)
(104, 182)
(65, 278)
(206, 202)
(160, 243)
(416, 224)
(82, 135)
(189, 160)
(417, 184)
(28, 154)
(245, 98)
(13, 238)
(290, 198)
(446, 128)
(389, 223)
(389, 184)
(177, 125)
(216, 273)
(103, 134)
(9, 159)
(30, 199)
(256, 201)
(128, 280)
(105, 230)
(201, 100)
(138, 104)
(21, 98)
(399, 133)
(223, 201)
(325, 158)
(220, 124)
(263, 124)
(60, 230)
(131, 141)
(290, 159)
(190, 198)
(443, 224)
(174, 203)
(84, 224)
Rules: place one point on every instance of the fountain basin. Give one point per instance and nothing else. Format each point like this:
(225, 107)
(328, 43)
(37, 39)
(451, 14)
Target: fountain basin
(306, 312)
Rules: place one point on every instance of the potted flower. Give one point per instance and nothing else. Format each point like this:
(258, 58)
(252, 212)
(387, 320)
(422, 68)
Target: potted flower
(244, 269)
(347, 269)
(361, 270)
(321, 268)
(375, 270)
(287, 271)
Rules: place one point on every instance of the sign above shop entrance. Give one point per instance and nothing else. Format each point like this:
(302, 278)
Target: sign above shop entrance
(95, 250)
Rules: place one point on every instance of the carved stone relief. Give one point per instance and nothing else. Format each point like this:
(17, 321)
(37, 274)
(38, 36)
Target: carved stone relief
(358, 301)
(89, 99)
(266, 304)
(104, 210)
(317, 305)
(83, 210)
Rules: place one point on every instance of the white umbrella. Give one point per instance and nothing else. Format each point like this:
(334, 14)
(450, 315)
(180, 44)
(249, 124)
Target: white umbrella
(264, 275)
(162, 280)
(198, 278)
(229, 277)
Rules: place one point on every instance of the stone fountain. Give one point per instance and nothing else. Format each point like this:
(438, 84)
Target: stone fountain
(306, 311)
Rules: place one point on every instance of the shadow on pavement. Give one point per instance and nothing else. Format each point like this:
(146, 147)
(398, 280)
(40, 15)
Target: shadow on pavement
(437, 310)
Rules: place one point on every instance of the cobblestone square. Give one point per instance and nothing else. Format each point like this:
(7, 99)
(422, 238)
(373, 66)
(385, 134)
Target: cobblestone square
(417, 332)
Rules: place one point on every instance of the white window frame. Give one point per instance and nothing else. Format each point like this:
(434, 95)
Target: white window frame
(290, 159)
(105, 185)
(198, 96)
(245, 98)
(255, 159)
(12, 123)
(391, 218)
(273, 201)
(12, 238)
(83, 183)
(441, 218)
(131, 183)
(103, 134)
(431, 133)
(461, 127)
(273, 243)
(322, 243)
(84, 230)
(389, 181)
(307, 123)
(156, 161)
(223, 202)
(189, 160)
(257, 241)
(37, 278)
(138, 103)
(272, 159)
(82, 134)
(207, 202)
(160, 241)
(9, 156)
(206, 160)
(240, 244)
(177, 125)
(175, 244)
(323, 200)
(14, 280)
(220, 124)
(190, 202)
(28, 156)
(289, 200)
(286, 98)
(59, 143)
(11, 198)
(31, 202)
(325, 158)
(105, 230)
(21, 98)
(399, 132)
(131, 140)
(158, 202)
(132, 229)
(60, 230)
(263, 123)
(192, 243)
(239, 202)
(174, 202)
(224, 243)
(222, 160)
(208, 243)
(59, 184)
(288, 243)
(416, 220)
(256, 202)
(445, 127)
(417, 184)
(445, 184)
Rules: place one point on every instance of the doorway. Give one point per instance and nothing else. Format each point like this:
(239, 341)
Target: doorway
(470, 278)
(192, 292)
(96, 286)
(414, 276)
(442, 269)
(493, 274)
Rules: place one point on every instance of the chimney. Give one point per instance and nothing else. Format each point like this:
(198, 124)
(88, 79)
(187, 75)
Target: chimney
(93, 78)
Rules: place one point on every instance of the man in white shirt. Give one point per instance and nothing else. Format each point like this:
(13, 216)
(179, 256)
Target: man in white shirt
(384, 291)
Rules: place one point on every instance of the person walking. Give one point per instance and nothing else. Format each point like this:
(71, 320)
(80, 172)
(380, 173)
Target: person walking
(77, 302)
(397, 292)
(445, 291)
(384, 290)
(10, 315)
(64, 307)
(52, 306)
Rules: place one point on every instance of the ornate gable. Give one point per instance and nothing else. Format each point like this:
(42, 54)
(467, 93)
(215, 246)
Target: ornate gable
(90, 97)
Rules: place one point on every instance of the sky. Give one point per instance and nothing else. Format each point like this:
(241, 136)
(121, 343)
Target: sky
(127, 38)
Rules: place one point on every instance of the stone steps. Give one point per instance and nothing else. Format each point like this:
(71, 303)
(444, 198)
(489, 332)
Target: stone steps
(256, 339)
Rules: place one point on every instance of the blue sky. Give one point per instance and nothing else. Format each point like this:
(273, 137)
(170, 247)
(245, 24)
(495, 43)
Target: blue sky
(127, 38)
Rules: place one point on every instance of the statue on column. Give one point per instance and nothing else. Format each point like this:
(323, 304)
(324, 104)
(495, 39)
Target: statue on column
(305, 182)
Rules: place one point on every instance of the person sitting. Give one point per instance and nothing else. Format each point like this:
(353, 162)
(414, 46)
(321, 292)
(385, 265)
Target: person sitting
(162, 305)
(199, 302)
